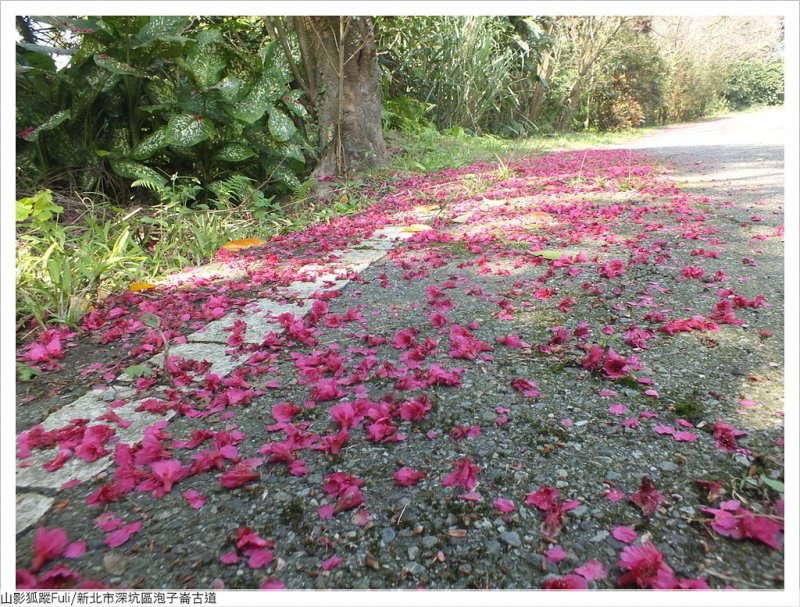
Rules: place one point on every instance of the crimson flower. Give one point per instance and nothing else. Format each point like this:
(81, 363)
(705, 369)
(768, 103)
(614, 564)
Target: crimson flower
(465, 475)
(647, 498)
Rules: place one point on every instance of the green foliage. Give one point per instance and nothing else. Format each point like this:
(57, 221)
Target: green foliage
(145, 97)
(460, 71)
(755, 82)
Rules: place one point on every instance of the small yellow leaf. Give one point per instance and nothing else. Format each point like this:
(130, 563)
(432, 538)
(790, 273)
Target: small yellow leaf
(549, 254)
(427, 208)
(242, 243)
(461, 218)
(417, 227)
(141, 286)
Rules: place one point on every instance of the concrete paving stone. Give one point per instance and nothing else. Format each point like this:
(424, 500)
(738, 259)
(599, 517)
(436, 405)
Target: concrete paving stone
(30, 508)
(221, 363)
(29, 470)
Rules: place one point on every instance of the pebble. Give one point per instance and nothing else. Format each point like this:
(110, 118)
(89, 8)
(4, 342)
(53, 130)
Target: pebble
(429, 541)
(668, 466)
(511, 538)
(388, 535)
(493, 547)
(601, 535)
(413, 551)
(613, 476)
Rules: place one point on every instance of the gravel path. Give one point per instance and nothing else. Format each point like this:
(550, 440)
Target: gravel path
(565, 372)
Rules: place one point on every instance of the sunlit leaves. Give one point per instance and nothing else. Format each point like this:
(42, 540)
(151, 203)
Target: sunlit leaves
(134, 170)
(187, 130)
(116, 67)
(281, 127)
(151, 144)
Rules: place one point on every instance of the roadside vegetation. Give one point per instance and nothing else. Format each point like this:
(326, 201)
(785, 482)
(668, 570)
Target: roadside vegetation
(146, 143)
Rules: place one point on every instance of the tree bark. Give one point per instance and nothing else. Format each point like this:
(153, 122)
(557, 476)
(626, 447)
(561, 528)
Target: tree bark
(343, 67)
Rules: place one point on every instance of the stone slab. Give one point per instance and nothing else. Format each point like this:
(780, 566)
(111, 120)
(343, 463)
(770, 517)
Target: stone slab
(30, 508)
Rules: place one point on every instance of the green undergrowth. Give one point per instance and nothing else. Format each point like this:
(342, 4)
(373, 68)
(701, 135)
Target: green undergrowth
(73, 249)
(433, 151)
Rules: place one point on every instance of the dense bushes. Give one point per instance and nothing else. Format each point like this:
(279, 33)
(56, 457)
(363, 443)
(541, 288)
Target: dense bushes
(754, 82)
(144, 98)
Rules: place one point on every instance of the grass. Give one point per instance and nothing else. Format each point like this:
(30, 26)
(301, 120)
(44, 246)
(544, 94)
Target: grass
(433, 151)
(66, 265)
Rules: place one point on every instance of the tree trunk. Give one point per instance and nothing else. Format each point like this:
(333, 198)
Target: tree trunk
(344, 64)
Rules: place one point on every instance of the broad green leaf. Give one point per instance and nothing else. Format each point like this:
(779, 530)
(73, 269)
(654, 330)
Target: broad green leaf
(254, 104)
(151, 320)
(291, 100)
(48, 50)
(230, 87)
(773, 484)
(79, 26)
(135, 371)
(54, 120)
(161, 28)
(187, 130)
(116, 67)
(235, 152)
(155, 141)
(549, 254)
(280, 125)
(207, 60)
(23, 210)
(47, 125)
(124, 24)
(283, 175)
(26, 373)
(134, 170)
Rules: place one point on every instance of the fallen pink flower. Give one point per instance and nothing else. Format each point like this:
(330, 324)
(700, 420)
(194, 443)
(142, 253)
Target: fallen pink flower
(405, 477)
(568, 582)
(624, 534)
(556, 554)
(592, 570)
(195, 500)
(465, 475)
(503, 505)
(122, 535)
(648, 498)
(237, 476)
(645, 568)
(48, 544)
(330, 563)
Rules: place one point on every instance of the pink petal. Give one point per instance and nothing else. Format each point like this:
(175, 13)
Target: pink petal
(555, 554)
(108, 521)
(259, 558)
(593, 570)
(615, 495)
(229, 558)
(624, 534)
(330, 563)
(327, 511)
(664, 429)
(503, 505)
(272, 585)
(618, 409)
(685, 437)
(195, 500)
(119, 537)
(75, 549)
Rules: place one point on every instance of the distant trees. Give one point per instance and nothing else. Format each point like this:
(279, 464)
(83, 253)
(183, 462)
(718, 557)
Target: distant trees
(106, 102)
